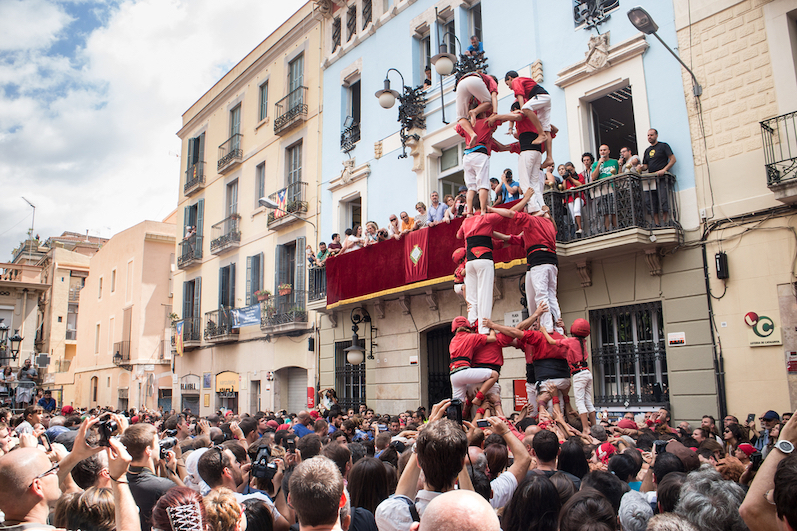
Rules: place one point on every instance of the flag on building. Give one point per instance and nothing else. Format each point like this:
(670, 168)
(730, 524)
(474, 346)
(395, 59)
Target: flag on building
(178, 336)
(281, 203)
(415, 259)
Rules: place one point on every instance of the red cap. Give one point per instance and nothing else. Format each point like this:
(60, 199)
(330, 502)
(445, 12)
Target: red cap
(580, 328)
(458, 255)
(627, 424)
(314, 414)
(273, 424)
(605, 451)
(134, 420)
(67, 410)
(459, 322)
(747, 448)
(284, 427)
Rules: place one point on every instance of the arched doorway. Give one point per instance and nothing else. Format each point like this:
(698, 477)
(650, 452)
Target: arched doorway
(438, 385)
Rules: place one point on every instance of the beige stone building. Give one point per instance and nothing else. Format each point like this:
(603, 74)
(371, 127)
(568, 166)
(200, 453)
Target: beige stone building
(743, 136)
(254, 134)
(123, 353)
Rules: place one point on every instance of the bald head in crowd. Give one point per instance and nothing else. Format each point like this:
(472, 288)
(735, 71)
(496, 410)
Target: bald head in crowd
(28, 486)
(456, 510)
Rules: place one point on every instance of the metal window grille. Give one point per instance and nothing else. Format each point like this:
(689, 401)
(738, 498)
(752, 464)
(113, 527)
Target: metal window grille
(349, 379)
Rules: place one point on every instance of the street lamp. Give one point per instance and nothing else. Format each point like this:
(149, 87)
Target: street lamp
(642, 21)
(355, 354)
(3, 333)
(444, 62)
(268, 203)
(16, 341)
(412, 104)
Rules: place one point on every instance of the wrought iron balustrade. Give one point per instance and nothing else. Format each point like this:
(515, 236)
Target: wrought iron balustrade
(121, 352)
(349, 137)
(74, 295)
(226, 233)
(780, 148)
(230, 151)
(613, 204)
(290, 110)
(71, 335)
(194, 178)
(284, 309)
(317, 283)
(289, 199)
(192, 329)
(190, 250)
(218, 324)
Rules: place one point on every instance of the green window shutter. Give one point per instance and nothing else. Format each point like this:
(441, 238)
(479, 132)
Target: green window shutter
(222, 279)
(186, 219)
(189, 159)
(277, 259)
(261, 265)
(301, 265)
(231, 284)
(201, 148)
(197, 297)
(188, 301)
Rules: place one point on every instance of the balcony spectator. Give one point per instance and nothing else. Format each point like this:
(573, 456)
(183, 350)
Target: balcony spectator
(323, 254)
(354, 239)
(456, 206)
(334, 246)
(550, 181)
(393, 229)
(510, 188)
(427, 80)
(371, 236)
(627, 161)
(189, 231)
(574, 201)
(308, 251)
(422, 219)
(497, 195)
(476, 47)
(604, 168)
(26, 378)
(658, 159)
(436, 210)
(587, 159)
(6, 391)
(406, 223)
(382, 235)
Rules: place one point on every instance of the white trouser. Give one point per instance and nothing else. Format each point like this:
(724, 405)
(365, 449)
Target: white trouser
(558, 387)
(575, 208)
(531, 393)
(463, 378)
(529, 175)
(541, 286)
(479, 276)
(477, 170)
(458, 288)
(582, 388)
(540, 104)
(473, 86)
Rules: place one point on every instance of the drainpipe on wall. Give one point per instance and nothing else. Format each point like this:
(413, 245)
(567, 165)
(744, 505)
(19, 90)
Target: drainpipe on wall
(719, 362)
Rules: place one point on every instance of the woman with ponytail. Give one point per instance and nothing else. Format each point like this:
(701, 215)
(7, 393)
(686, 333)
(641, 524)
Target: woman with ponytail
(579, 369)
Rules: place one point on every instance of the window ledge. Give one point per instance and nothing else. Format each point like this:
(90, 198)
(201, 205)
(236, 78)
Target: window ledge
(257, 212)
(261, 123)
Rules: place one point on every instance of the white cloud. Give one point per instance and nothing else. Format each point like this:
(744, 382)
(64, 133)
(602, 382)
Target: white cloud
(87, 139)
(30, 24)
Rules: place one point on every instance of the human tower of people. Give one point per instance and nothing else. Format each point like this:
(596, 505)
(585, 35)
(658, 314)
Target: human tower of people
(476, 349)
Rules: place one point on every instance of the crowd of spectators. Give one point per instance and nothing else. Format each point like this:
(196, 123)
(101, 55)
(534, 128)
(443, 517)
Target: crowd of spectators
(331, 468)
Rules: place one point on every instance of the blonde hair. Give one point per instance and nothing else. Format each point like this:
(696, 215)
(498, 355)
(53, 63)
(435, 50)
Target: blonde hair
(420, 204)
(222, 510)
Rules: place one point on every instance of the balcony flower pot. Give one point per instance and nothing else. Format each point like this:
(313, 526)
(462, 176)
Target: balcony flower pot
(285, 291)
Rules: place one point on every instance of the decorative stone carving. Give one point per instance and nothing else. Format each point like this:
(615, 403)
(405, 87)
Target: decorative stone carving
(431, 300)
(378, 149)
(585, 272)
(379, 308)
(597, 52)
(404, 302)
(653, 257)
(348, 167)
(416, 148)
(350, 173)
(333, 319)
(536, 71)
(325, 7)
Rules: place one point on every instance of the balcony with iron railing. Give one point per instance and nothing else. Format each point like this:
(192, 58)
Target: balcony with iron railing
(194, 178)
(71, 335)
(192, 331)
(284, 313)
(121, 353)
(230, 153)
(226, 234)
(74, 295)
(190, 251)
(218, 326)
(290, 200)
(627, 213)
(290, 111)
(780, 156)
(349, 137)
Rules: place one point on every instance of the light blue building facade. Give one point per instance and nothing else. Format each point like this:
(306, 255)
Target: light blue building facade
(609, 83)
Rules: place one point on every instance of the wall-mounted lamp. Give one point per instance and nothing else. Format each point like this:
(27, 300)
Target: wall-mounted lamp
(355, 354)
(412, 104)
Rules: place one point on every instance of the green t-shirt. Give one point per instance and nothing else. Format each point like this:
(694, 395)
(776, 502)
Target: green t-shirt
(609, 168)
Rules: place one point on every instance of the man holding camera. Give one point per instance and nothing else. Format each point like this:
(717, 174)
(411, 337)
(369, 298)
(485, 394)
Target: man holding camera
(142, 443)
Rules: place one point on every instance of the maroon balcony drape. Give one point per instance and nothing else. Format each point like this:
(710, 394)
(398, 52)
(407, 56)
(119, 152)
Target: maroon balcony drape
(382, 266)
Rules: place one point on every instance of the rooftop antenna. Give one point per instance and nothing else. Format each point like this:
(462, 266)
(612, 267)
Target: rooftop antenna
(32, 220)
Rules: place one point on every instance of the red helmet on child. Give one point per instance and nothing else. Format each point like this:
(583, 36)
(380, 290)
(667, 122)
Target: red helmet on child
(458, 255)
(580, 328)
(459, 322)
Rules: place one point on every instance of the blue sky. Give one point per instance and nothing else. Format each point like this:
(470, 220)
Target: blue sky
(91, 95)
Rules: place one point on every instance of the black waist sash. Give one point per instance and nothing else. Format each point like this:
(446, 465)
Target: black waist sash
(540, 254)
(525, 139)
(479, 241)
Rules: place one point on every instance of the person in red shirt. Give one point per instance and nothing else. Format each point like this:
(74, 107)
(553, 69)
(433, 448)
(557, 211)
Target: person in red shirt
(462, 374)
(579, 369)
(482, 88)
(539, 240)
(477, 231)
(535, 102)
(460, 259)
